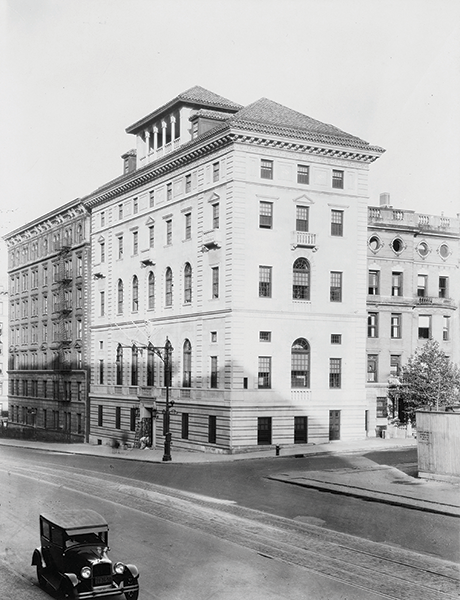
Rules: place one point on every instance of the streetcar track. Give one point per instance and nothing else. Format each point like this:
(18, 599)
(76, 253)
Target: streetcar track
(334, 555)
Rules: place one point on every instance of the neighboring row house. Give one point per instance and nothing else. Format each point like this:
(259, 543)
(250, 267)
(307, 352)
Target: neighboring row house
(3, 351)
(239, 235)
(413, 295)
(48, 324)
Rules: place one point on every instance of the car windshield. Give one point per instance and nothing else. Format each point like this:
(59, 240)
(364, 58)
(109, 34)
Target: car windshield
(91, 539)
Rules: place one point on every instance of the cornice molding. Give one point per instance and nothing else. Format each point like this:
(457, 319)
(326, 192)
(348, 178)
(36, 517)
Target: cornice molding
(192, 151)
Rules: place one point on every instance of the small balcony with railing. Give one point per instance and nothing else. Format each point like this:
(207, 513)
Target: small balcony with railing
(303, 239)
(212, 240)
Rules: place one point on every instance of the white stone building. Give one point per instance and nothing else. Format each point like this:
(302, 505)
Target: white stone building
(240, 234)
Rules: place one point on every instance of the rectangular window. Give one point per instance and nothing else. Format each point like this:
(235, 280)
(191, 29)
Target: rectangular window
(300, 430)
(120, 211)
(445, 328)
(337, 223)
(188, 226)
(188, 183)
(266, 215)
(382, 410)
(265, 336)
(215, 282)
(395, 330)
(395, 365)
(264, 431)
(102, 251)
(101, 370)
(102, 304)
(135, 243)
(303, 175)
(169, 191)
(214, 372)
(100, 415)
(421, 285)
(151, 236)
(372, 325)
(336, 338)
(443, 291)
(169, 232)
(335, 372)
(266, 169)
(265, 372)
(372, 366)
(151, 198)
(184, 429)
(79, 391)
(120, 247)
(117, 417)
(374, 283)
(132, 419)
(424, 326)
(265, 282)
(215, 216)
(337, 179)
(102, 218)
(215, 172)
(135, 206)
(212, 429)
(336, 287)
(396, 284)
(301, 221)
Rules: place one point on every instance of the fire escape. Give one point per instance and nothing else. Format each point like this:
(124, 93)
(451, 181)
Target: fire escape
(62, 364)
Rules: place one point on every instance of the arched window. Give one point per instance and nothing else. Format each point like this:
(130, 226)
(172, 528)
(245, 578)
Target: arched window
(300, 364)
(301, 279)
(187, 283)
(168, 287)
(134, 364)
(150, 365)
(187, 364)
(151, 290)
(120, 297)
(79, 232)
(135, 306)
(45, 246)
(119, 363)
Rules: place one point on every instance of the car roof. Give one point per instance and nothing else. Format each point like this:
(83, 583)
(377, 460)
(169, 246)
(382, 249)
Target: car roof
(75, 520)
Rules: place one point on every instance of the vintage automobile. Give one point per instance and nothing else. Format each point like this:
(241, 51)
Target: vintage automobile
(72, 560)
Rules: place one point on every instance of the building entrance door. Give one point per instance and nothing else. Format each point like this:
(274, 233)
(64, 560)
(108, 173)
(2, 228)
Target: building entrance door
(334, 425)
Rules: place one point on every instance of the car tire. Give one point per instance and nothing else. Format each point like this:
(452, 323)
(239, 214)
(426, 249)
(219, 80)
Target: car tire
(41, 579)
(67, 592)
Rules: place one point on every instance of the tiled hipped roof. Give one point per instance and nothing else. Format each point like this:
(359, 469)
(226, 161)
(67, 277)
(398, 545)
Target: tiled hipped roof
(196, 95)
(266, 116)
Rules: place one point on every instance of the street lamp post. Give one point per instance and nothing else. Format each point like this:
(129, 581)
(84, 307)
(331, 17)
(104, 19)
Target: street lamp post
(164, 353)
(166, 416)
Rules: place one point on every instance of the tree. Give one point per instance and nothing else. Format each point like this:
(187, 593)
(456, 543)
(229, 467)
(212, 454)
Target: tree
(428, 379)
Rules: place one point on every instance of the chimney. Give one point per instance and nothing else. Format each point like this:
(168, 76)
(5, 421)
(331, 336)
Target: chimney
(129, 161)
(385, 199)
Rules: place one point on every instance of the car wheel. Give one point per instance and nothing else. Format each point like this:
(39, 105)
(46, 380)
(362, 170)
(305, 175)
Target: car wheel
(132, 595)
(41, 579)
(67, 592)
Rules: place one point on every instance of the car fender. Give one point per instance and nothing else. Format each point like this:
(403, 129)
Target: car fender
(133, 571)
(37, 558)
(72, 578)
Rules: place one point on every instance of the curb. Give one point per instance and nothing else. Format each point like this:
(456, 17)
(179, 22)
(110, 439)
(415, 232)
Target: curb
(371, 496)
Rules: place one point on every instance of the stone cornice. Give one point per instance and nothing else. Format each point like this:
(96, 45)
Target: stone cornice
(49, 222)
(216, 139)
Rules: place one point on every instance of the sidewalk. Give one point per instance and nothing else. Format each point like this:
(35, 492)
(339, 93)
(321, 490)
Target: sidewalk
(363, 479)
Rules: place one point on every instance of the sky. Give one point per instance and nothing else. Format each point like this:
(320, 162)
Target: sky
(75, 73)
